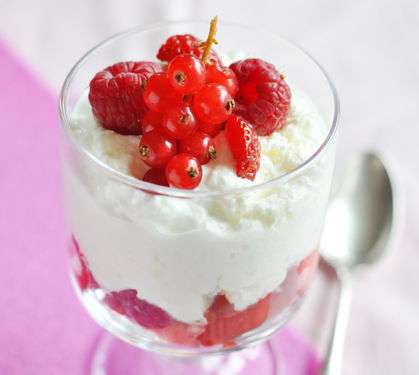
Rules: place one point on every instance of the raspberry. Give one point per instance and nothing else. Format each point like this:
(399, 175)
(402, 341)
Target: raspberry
(244, 145)
(179, 44)
(145, 314)
(264, 98)
(116, 95)
(115, 302)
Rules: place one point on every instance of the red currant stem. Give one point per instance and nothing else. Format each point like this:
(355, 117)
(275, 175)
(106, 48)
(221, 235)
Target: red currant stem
(209, 41)
(188, 98)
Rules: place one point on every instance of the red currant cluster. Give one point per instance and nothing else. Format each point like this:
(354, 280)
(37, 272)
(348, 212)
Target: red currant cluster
(189, 104)
(181, 110)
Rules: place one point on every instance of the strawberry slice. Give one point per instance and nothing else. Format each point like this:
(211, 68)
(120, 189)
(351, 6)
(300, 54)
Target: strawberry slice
(225, 323)
(245, 146)
(180, 333)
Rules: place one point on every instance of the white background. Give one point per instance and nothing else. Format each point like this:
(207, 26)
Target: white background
(370, 49)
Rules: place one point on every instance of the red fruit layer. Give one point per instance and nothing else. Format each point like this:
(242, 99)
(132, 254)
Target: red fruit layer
(264, 98)
(224, 323)
(116, 95)
(295, 284)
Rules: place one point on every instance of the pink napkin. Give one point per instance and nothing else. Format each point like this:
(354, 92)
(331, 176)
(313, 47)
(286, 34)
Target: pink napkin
(43, 328)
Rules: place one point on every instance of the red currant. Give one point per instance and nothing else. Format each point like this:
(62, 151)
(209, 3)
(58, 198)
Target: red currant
(200, 145)
(180, 120)
(213, 103)
(186, 73)
(157, 148)
(184, 171)
(211, 129)
(223, 76)
(152, 120)
(159, 93)
(156, 176)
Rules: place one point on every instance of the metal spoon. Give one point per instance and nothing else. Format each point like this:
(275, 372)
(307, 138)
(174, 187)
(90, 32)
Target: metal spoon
(358, 227)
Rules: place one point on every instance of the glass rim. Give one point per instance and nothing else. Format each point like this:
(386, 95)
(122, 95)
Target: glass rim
(181, 193)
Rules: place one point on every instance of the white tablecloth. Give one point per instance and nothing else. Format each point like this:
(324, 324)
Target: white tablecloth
(370, 49)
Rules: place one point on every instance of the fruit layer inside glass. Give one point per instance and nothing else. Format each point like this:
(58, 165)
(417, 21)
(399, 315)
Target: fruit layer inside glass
(224, 323)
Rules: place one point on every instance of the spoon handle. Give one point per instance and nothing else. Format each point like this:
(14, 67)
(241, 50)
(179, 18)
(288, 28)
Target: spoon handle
(333, 363)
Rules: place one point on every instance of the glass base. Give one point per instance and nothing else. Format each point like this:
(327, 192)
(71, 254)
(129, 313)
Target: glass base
(114, 357)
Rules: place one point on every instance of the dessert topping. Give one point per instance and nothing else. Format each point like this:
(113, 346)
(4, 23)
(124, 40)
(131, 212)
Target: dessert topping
(184, 171)
(180, 120)
(200, 145)
(116, 95)
(189, 105)
(152, 120)
(264, 98)
(245, 146)
(224, 76)
(159, 93)
(213, 103)
(186, 73)
(179, 44)
(157, 148)
(156, 177)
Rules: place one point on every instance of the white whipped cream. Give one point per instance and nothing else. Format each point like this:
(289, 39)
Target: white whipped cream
(179, 253)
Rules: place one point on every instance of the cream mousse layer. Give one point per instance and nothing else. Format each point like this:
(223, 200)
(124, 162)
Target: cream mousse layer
(179, 253)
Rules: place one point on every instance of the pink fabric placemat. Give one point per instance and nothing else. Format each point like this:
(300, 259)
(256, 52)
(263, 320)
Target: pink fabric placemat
(43, 328)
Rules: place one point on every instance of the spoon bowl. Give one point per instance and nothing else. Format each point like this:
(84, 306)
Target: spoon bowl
(360, 216)
(360, 223)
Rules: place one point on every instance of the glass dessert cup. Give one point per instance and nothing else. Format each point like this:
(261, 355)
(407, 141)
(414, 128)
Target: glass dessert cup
(192, 274)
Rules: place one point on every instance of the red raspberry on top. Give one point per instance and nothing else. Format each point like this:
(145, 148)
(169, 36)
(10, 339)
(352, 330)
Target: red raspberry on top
(179, 44)
(245, 146)
(264, 98)
(116, 95)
